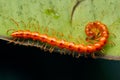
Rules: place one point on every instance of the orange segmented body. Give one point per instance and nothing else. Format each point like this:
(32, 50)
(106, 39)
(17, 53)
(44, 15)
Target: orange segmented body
(94, 31)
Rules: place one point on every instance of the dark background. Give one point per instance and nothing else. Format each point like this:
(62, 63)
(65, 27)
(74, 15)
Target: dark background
(29, 63)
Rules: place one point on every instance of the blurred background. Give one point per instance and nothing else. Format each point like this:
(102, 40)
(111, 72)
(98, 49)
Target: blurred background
(30, 63)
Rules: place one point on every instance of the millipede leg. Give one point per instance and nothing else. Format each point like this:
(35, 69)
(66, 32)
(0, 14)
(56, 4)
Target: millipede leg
(11, 41)
(111, 43)
(85, 55)
(45, 47)
(93, 55)
(78, 55)
(51, 49)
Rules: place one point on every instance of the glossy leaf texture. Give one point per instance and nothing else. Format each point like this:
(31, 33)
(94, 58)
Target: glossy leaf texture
(53, 17)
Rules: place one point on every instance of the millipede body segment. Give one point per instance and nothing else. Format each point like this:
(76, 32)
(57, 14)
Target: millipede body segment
(94, 31)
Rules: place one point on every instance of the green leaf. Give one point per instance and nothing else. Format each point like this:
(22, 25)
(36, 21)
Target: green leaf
(52, 17)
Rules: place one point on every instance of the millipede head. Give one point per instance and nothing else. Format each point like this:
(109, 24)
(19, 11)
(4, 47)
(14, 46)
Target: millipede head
(10, 30)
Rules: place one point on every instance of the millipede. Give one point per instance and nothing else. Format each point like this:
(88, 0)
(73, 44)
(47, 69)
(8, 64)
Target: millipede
(95, 31)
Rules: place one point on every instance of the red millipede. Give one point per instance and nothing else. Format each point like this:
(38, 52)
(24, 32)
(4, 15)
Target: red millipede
(94, 31)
